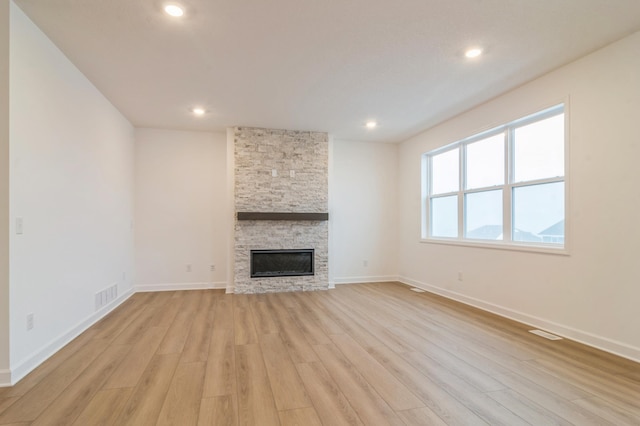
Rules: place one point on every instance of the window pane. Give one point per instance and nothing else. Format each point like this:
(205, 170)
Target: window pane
(444, 172)
(539, 150)
(444, 216)
(483, 219)
(485, 162)
(538, 213)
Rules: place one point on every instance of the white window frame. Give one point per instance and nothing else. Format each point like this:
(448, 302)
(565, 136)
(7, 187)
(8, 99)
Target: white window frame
(507, 188)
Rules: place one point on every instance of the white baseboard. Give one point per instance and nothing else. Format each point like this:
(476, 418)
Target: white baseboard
(362, 280)
(589, 339)
(180, 286)
(58, 343)
(230, 290)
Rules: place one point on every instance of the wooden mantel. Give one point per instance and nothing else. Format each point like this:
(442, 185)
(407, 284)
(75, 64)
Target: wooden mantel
(282, 216)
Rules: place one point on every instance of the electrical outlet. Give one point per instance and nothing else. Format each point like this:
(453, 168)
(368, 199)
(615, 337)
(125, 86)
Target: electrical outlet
(365, 263)
(19, 225)
(30, 321)
(188, 267)
(274, 173)
(460, 277)
(292, 173)
(213, 268)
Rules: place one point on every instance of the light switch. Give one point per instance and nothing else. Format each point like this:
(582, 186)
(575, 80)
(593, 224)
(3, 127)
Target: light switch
(19, 225)
(274, 173)
(292, 173)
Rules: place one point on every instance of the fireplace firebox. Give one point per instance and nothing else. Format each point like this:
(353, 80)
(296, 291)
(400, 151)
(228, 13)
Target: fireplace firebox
(281, 263)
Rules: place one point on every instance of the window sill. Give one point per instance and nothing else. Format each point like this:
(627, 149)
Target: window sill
(532, 248)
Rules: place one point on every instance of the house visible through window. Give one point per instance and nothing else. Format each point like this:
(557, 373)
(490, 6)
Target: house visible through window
(505, 186)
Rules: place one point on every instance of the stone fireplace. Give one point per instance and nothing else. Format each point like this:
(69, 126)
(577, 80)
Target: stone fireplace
(281, 204)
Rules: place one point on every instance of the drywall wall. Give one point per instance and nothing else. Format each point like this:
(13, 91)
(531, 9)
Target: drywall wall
(71, 156)
(181, 210)
(592, 294)
(362, 212)
(5, 377)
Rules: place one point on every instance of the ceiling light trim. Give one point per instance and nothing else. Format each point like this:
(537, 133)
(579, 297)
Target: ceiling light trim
(473, 52)
(174, 10)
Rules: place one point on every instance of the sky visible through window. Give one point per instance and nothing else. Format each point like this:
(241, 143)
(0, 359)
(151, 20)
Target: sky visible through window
(445, 167)
(537, 208)
(539, 150)
(485, 162)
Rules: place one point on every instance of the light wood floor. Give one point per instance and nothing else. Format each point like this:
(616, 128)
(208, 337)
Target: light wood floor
(369, 354)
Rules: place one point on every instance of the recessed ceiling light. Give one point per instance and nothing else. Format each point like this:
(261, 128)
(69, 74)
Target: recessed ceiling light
(473, 53)
(174, 10)
(371, 124)
(198, 111)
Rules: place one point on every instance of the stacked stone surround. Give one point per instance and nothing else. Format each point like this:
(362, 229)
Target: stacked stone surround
(257, 152)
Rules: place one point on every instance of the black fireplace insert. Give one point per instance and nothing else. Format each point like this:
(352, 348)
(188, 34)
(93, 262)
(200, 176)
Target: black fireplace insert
(281, 263)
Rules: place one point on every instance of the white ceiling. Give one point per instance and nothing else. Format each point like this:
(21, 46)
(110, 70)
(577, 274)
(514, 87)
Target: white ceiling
(324, 65)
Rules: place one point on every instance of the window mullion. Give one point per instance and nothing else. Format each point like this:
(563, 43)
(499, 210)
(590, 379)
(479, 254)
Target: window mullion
(538, 181)
(461, 180)
(507, 207)
(426, 196)
(444, 194)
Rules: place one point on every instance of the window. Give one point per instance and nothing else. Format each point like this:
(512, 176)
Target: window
(505, 186)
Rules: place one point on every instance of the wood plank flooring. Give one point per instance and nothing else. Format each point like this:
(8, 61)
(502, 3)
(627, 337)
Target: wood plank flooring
(367, 354)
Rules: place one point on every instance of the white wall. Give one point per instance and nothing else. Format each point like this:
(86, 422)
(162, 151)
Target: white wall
(72, 183)
(363, 212)
(181, 209)
(4, 193)
(591, 295)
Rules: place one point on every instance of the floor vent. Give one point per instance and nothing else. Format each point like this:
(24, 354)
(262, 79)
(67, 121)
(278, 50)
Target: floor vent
(417, 290)
(545, 335)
